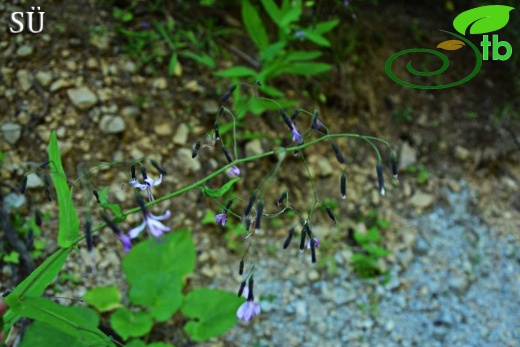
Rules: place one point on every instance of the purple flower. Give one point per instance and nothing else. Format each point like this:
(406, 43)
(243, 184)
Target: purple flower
(316, 124)
(248, 309)
(300, 34)
(345, 3)
(316, 243)
(125, 240)
(296, 136)
(235, 171)
(147, 185)
(155, 227)
(221, 218)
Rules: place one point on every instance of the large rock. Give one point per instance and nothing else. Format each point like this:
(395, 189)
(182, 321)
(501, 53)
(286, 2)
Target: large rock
(82, 97)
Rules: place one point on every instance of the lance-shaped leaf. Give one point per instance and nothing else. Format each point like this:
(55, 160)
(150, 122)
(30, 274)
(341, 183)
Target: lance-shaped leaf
(483, 19)
(217, 193)
(254, 26)
(451, 45)
(68, 217)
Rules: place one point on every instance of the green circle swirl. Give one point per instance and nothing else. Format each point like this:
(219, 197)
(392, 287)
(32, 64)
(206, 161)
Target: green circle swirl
(445, 64)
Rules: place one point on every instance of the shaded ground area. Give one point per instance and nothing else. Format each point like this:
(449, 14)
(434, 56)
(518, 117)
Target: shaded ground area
(73, 78)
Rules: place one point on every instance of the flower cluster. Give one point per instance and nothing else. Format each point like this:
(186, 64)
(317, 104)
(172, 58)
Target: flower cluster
(250, 308)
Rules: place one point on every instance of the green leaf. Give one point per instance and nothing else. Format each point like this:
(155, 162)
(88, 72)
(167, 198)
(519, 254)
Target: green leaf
(325, 27)
(174, 253)
(307, 68)
(254, 26)
(236, 72)
(272, 10)
(213, 311)
(79, 322)
(103, 298)
(113, 207)
(217, 193)
(203, 59)
(68, 217)
(161, 293)
(131, 324)
(135, 343)
(303, 55)
(313, 36)
(271, 51)
(272, 91)
(376, 251)
(42, 334)
(483, 19)
(290, 16)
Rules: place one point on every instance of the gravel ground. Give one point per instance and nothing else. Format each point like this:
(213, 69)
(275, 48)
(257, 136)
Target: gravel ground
(460, 287)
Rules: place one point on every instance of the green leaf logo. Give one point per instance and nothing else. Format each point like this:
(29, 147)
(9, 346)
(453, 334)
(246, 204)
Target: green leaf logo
(482, 20)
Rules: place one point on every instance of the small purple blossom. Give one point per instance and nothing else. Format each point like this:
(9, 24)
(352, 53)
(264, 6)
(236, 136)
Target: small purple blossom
(296, 136)
(248, 309)
(316, 124)
(345, 3)
(316, 243)
(300, 34)
(235, 171)
(147, 185)
(221, 218)
(155, 227)
(125, 241)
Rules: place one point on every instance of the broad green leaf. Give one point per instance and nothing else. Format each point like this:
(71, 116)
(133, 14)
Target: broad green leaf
(237, 72)
(290, 16)
(79, 322)
(313, 36)
(68, 217)
(217, 193)
(272, 91)
(103, 298)
(483, 19)
(271, 51)
(42, 334)
(131, 324)
(254, 26)
(272, 10)
(135, 343)
(302, 55)
(113, 207)
(307, 68)
(203, 59)
(213, 311)
(174, 252)
(160, 293)
(325, 27)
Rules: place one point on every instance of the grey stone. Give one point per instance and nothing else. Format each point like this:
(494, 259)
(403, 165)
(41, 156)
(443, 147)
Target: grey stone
(462, 153)
(130, 111)
(44, 78)
(160, 83)
(407, 156)
(422, 200)
(24, 79)
(421, 247)
(254, 147)
(458, 283)
(59, 84)
(210, 106)
(82, 97)
(34, 181)
(181, 135)
(163, 129)
(186, 162)
(14, 201)
(110, 124)
(11, 132)
(24, 51)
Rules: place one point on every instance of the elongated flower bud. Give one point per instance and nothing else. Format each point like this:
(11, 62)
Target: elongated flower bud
(338, 154)
(228, 93)
(132, 171)
(393, 163)
(47, 183)
(286, 119)
(44, 164)
(250, 283)
(380, 178)
(195, 150)
(143, 173)
(110, 224)
(295, 114)
(217, 133)
(250, 205)
(331, 215)
(38, 217)
(344, 186)
(23, 184)
(96, 194)
(288, 239)
(313, 251)
(88, 235)
(241, 267)
(228, 205)
(259, 210)
(29, 240)
(281, 199)
(302, 237)
(241, 289)
(141, 203)
(226, 153)
(158, 167)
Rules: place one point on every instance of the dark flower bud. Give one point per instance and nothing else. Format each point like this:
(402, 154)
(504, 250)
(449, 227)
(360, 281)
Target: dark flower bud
(295, 114)
(247, 224)
(344, 186)
(289, 238)
(380, 178)
(158, 167)
(47, 183)
(23, 185)
(195, 150)
(48, 194)
(338, 154)
(226, 153)
(110, 224)
(259, 210)
(228, 205)
(286, 119)
(302, 237)
(250, 205)
(143, 173)
(313, 251)
(228, 93)
(132, 170)
(88, 235)
(217, 134)
(140, 202)
(331, 215)
(44, 164)
(96, 194)
(38, 217)
(241, 289)
(281, 199)
(250, 283)
(241, 267)
(29, 240)
(393, 163)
